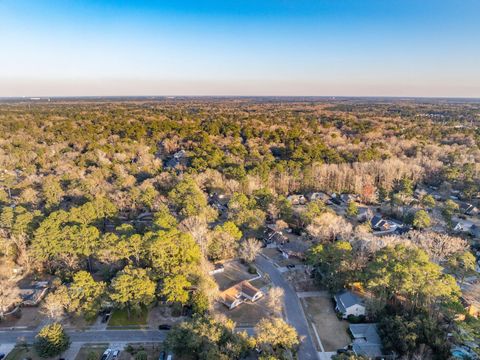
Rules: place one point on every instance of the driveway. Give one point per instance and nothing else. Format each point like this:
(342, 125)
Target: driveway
(293, 309)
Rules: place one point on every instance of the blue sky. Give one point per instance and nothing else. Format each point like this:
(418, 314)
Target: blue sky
(298, 47)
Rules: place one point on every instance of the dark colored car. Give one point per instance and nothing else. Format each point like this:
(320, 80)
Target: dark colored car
(290, 266)
(106, 316)
(163, 355)
(164, 327)
(2, 356)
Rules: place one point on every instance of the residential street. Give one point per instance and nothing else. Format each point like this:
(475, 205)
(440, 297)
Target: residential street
(293, 308)
(89, 336)
(294, 313)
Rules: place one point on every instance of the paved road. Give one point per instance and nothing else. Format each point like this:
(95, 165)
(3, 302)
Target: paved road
(89, 336)
(293, 308)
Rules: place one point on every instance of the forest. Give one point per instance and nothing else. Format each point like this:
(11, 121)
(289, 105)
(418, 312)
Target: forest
(132, 202)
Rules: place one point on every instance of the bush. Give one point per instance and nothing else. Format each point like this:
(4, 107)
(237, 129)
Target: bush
(356, 319)
(51, 341)
(252, 269)
(141, 355)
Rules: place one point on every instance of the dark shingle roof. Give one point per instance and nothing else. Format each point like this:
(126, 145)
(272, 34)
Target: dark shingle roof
(346, 299)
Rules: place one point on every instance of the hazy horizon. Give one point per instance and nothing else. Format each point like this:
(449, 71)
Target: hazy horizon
(371, 48)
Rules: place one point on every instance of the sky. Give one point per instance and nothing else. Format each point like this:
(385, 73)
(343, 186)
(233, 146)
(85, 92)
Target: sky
(240, 47)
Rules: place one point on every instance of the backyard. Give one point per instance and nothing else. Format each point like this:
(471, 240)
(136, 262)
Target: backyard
(234, 273)
(247, 314)
(332, 331)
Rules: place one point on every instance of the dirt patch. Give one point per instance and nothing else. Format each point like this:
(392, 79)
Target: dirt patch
(301, 281)
(162, 314)
(321, 312)
(247, 314)
(276, 256)
(234, 273)
(29, 317)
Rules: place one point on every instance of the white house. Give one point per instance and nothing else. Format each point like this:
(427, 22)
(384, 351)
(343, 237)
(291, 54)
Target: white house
(349, 303)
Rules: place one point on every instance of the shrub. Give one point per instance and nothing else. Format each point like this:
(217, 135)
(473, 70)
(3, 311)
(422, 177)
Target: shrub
(356, 319)
(141, 355)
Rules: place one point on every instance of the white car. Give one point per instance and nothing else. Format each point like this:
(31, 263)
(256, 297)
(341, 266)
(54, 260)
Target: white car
(115, 354)
(106, 354)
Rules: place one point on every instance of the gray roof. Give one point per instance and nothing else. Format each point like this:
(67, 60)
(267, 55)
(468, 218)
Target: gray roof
(375, 220)
(366, 340)
(346, 299)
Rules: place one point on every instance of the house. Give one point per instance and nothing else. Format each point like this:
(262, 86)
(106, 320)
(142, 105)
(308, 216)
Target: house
(349, 303)
(273, 238)
(240, 293)
(219, 268)
(219, 202)
(297, 199)
(475, 231)
(461, 225)
(468, 209)
(366, 340)
(319, 196)
(379, 224)
(178, 159)
(346, 198)
(294, 249)
(471, 299)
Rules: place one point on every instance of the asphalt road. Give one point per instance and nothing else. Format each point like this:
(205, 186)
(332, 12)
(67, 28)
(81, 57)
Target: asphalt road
(89, 336)
(293, 309)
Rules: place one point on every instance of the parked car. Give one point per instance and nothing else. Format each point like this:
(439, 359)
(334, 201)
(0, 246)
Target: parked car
(163, 356)
(290, 266)
(2, 355)
(164, 327)
(106, 316)
(106, 354)
(115, 354)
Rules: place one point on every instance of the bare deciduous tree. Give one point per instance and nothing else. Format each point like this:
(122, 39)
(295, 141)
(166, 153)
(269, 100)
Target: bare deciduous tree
(275, 300)
(9, 295)
(329, 226)
(249, 249)
(197, 227)
(56, 303)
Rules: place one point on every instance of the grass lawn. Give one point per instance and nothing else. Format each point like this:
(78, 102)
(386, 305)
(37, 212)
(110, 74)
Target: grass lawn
(23, 352)
(332, 331)
(120, 318)
(96, 349)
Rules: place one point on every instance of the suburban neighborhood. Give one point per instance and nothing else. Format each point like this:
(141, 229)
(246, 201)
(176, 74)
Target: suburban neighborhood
(210, 229)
